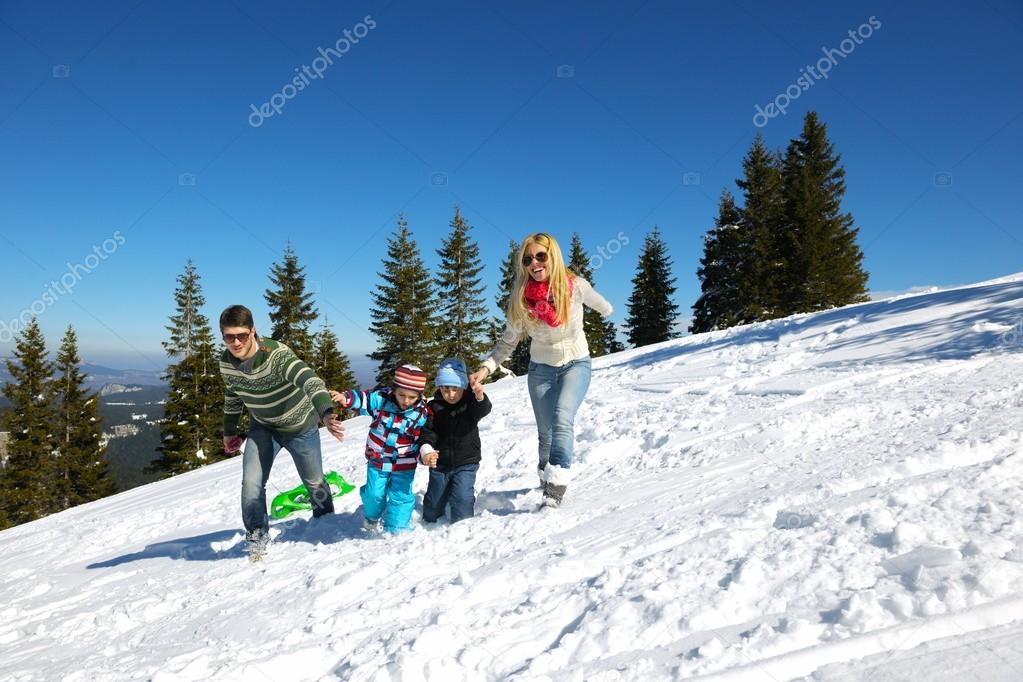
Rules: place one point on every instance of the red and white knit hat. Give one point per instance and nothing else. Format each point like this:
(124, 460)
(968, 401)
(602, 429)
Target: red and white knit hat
(411, 378)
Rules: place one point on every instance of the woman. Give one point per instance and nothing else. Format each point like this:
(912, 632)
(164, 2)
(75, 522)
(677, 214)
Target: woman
(546, 304)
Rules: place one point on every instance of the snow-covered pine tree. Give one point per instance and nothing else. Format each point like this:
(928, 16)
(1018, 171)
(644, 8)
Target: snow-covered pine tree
(763, 218)
(719, 305)
(329, 362)
(291, 306)
(26, 488)
(404, 317)
(191, 429)
(82, 467)
(823, 261)
(518, 361)
(600, 334)
(462, 311)
(652, 312)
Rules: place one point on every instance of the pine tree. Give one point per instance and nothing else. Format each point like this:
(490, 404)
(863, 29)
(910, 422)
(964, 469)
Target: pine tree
(190, 431)
(719, 305)
(600, 333)
(30, 472)
(761, 267)
(329, 362)
(652, 312)
(823, 261)
(404, 319)
(518, 362)
(291, 307)
(462, 310)
(82, 468)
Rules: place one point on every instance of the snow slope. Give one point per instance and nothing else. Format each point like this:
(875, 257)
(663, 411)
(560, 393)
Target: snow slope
(830, 496)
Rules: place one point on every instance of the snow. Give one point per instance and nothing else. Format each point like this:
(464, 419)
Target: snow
(833, 496)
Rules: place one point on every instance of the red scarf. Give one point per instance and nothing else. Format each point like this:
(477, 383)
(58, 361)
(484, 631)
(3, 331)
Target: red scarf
(540, 302)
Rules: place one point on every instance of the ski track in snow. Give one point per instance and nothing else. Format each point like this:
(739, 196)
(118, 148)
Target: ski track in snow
(830, 496)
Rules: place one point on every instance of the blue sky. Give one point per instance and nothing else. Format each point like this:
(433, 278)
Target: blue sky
(127, 146)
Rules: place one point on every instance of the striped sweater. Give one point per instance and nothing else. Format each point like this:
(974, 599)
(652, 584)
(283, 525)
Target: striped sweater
(391, 444)
(278, 389)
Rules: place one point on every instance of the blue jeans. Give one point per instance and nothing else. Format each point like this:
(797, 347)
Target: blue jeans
(453, 487)
(388, 494)
(261, 447)
(556, 394)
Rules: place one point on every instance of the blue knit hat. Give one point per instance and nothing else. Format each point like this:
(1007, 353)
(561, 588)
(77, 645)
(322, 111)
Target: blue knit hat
(452, 373)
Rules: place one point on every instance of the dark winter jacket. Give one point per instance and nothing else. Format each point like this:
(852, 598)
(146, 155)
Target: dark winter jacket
(454, 431)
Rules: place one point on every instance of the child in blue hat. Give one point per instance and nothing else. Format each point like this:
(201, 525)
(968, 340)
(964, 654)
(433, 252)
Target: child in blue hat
(450, 445)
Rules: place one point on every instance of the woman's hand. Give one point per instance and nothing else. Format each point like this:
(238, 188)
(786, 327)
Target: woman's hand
(476, 378)
(339, 398)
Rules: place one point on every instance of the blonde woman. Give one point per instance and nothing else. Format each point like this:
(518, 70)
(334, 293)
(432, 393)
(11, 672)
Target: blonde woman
(547, 305)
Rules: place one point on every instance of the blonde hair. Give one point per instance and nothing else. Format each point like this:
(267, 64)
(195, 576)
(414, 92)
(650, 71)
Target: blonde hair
(518, 312)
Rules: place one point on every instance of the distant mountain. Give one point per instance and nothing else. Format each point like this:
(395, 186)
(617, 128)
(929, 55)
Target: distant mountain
(98, 375)
(112, 389)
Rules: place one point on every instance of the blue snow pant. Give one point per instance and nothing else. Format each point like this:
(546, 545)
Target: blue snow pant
(453, 487)
(388, 495)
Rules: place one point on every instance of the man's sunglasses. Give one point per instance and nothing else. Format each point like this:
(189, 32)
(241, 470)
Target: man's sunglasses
(240, 338)
(541, 257)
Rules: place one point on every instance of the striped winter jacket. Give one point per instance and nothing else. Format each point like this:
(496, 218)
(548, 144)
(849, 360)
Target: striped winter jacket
(391, 443)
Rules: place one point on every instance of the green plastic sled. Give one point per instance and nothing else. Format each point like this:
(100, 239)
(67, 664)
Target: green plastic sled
(298, 497)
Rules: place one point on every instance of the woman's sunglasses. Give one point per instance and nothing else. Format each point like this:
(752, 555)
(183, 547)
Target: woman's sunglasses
(541, 257)
(243, 337)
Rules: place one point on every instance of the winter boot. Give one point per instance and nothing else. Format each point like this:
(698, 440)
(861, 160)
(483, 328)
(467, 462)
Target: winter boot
(556, 480)
(553, 494)
(371, 525)
(257, 542)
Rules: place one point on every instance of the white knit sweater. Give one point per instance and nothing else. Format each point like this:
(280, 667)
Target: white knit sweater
(549, 345)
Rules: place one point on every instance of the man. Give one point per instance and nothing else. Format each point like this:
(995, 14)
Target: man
(287, 402)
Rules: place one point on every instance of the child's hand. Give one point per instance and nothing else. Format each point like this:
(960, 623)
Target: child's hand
(477, 390)
(339, 398)
(430, 460)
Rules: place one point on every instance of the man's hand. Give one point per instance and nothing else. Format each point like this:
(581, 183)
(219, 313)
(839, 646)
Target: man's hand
(430, 460)
(340, 399)
(232, 444)
(334, 426)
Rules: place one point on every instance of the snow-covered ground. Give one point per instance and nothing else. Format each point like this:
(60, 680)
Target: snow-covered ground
(831, 496)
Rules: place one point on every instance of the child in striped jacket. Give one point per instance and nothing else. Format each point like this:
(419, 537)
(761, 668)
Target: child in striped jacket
(399, 415)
